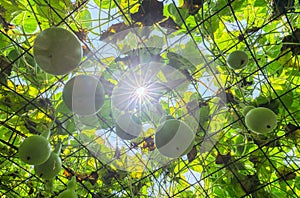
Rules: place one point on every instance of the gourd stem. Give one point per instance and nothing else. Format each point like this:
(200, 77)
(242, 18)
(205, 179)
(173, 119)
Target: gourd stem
(72, 183)
(57, 148)
(46, 134)
(49, 185)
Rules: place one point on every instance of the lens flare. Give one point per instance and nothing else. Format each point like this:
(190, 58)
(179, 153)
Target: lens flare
(140, 92)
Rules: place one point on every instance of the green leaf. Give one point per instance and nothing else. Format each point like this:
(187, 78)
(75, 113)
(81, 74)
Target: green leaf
(9, 9)
(62, 108)
(4, 41)
(85, 18)
(178, 17)
(219, 191)
(27, 21)
(106, 4)
(275, 68)
(55, 13)
(258, 3)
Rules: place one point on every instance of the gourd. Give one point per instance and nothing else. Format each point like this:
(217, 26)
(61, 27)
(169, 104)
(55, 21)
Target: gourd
(237, 59)
(51, 167)
(174, 138)
(84, 95)
(70, 191)
(57, 51)
(128, 126)
(261, 120)
(35, 149)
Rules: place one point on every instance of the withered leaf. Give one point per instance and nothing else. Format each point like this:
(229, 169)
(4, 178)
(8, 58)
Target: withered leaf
(246, 83)
(92, 177)
(149, 13)
(7, 26)
(5, 66)
(140, 55)
(134, 145)
(68, 173)
(82, 34)
(231, 98)
(170, 25)
(250, 183)
(44, 103)
(227, 96)
(292, 131)
(273, 105)
(114, 29)
(30, 125)
(281, 6)
(85, 50)
(252, 30)
(109, 175)
(223, 159)
(193, 6)
(179, 62)
(137, 188)
(149, 144)
(290, 127)
(285, 173)
(192, 154)
(292, 42)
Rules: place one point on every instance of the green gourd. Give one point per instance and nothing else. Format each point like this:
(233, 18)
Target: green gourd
(70, 191)
(51, 167)
(261, 120)
(35, 149)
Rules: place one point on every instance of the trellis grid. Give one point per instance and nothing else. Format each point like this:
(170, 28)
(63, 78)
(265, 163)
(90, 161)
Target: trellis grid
(30, 100)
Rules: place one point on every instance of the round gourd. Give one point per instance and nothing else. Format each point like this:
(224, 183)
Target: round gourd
(174, 138)
(128, 126)
(165, 118)
(35, 150)
(246, 109)
(67, 194)
(237, 59)
(57, 51)
(84, 95)
(261, 120)
(51, 167)
(70, 191)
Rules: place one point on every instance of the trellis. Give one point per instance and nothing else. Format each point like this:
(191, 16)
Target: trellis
(233, 162)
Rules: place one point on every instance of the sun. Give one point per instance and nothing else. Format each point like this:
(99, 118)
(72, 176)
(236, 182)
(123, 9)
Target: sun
(138, 88)
(141, 92)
